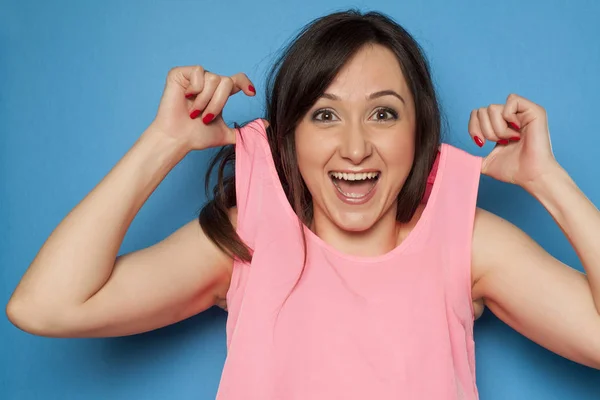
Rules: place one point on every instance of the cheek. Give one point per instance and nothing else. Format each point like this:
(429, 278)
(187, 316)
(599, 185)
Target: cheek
(313, 149)
(399, 155)
(402, 157)
(398, 159)
(312, 155)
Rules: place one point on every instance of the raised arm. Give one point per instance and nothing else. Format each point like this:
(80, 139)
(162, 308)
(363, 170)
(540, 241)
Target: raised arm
(77, 287)
(549, 302)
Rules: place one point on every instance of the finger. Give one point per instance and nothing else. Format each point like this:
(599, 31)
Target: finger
(512, 130)
(211, 82)
(196, 82)
(218, 100)
(177, 82)
(518, 110)
(181, 75)
(475, 130)
(499, 124)
(512, 107)
(243, 83)
(486, 125)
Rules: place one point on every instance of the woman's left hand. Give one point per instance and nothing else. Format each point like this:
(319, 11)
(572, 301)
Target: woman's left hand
(523, 152)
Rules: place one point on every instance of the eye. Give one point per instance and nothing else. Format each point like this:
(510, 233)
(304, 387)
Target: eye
(324, 115)
(385, 114)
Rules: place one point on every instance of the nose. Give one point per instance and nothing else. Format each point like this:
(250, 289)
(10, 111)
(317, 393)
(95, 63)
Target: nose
(354, 145)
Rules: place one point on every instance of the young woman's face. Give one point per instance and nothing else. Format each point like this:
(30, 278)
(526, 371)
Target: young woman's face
(355, 146)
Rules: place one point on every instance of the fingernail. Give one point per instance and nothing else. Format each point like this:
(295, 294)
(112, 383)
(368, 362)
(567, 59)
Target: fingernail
(194, 114)
(478, 141)
(189, 95)
(515, 138)
(503, 141)
(251, 88)
(207, 118)
(514, 126)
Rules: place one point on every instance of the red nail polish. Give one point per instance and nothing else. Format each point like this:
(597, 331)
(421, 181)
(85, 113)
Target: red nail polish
(189, 95)
(251, 88)
(503, 141)
(515, 138)
(514, 126)
(478, 141)
(194, 114)
(207, 118)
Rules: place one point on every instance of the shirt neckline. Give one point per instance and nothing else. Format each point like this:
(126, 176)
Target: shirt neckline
(314, 238)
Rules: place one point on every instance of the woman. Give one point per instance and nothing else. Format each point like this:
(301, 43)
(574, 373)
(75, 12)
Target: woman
(346, 244)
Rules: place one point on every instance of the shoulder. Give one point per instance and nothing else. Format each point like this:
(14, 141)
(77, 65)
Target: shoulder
(496, 242)
(489, 232)
(459, 155)
(232, 213)
(258, 125)
(250, 136)
(460, 168)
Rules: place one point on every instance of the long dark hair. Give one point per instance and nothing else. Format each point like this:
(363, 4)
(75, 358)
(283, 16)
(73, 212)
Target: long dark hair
(297, 80)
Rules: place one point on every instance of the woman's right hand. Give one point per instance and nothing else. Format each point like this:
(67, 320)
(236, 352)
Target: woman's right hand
(191, 106)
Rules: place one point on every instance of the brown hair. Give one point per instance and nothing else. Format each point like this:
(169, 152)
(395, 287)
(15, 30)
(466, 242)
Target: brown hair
(297, 80)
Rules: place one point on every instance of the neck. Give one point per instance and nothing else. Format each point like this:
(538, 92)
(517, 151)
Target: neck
(379, 239)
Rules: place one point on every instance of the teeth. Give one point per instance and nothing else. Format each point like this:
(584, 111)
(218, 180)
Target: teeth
(354, 195)
(349, 176)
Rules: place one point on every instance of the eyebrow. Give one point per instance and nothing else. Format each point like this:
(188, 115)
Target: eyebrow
(372, 96)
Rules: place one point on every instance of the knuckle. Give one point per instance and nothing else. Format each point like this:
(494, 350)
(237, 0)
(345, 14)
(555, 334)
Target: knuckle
(212, 78)
(197, 74)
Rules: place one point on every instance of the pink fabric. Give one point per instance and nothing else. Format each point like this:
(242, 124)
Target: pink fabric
(396, 326)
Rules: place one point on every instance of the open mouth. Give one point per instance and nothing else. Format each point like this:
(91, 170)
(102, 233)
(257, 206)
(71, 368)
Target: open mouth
(354, 186)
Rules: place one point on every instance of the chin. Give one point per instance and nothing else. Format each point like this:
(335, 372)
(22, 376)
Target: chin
(355, 221)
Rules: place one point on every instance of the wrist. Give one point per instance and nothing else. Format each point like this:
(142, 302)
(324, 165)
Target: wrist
(163, 141)
(548, 186)
(163, 148)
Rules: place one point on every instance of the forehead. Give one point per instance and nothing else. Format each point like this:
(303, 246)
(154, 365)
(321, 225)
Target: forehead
(373, 68)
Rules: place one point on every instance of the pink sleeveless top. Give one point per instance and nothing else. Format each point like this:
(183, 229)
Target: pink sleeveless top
(395, 326)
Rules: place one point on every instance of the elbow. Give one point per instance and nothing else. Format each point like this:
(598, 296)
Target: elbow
(21, 317)
(589, 355)
(592, 361)
(34, 320)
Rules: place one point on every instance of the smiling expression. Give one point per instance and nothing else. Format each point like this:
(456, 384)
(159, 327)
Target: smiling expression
(355, 146)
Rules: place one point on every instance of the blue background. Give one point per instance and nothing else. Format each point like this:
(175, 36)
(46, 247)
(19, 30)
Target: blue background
(79, 81)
